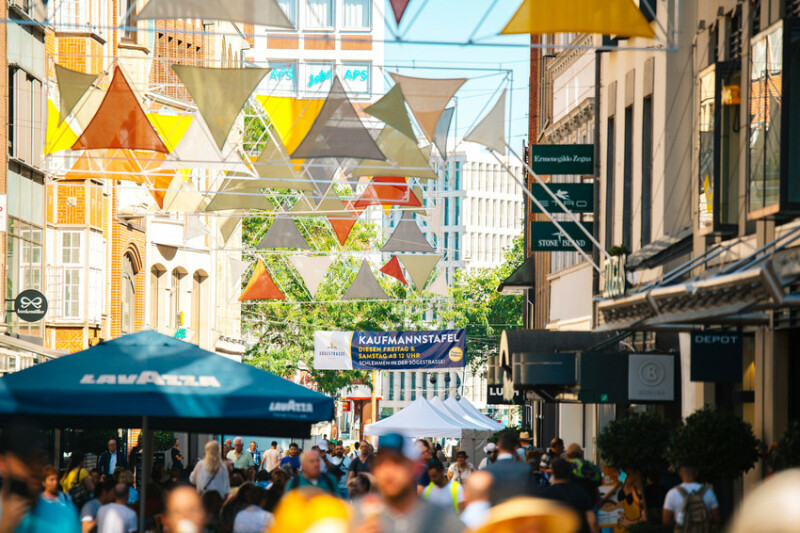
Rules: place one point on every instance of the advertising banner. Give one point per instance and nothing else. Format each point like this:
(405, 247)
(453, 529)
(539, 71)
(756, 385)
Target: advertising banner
(577, 197)
(546, 237)
(389, 350)
(550, 159)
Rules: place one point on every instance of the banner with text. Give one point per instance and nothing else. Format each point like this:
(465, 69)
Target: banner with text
(577, 197)
(552, 159)
(389, 350)
(546, 237)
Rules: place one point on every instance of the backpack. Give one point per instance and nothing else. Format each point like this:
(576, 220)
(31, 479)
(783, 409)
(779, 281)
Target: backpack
(696, 518)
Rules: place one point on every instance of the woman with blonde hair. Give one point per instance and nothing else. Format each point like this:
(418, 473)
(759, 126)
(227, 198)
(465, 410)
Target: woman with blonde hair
(209, 473)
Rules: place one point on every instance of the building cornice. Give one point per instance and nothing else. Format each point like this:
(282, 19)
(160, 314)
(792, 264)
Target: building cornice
(578, 117)
(566, 58)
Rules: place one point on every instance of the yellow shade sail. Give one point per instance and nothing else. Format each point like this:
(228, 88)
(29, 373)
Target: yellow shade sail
(607, 17)
(171, 128)
(59, 137)
(292, 117)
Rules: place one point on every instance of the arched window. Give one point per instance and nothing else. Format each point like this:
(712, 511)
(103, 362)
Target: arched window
(199, 310)
(157, 281)
(128, 296)
(176, 294)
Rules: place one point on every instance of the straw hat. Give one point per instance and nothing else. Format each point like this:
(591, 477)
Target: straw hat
(513, 516)
(310, 510)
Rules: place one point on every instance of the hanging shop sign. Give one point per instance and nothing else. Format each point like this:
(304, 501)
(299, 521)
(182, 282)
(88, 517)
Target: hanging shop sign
(716, 356)
(614, 276)
(651, 378)
(577, 197)
(30, 305)
(552, 159)
(546, 237)
(389, 350)
(494, 396)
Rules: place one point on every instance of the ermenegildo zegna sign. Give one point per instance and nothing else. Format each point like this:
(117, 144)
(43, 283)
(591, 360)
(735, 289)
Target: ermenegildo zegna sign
(553, 159)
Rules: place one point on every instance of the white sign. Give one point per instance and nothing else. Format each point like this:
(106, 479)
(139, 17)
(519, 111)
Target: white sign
(332, 350)
(282, 79)
(3, 212)
(356, 77)
(651, 378)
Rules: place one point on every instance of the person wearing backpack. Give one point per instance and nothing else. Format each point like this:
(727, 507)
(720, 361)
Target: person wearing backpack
(690, 507)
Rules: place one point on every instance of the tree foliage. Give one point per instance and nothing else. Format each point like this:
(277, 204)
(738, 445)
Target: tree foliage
(718, 442)
(637, 441)
(787, 451)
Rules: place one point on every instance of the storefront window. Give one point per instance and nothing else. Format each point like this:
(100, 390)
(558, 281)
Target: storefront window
(706, 122)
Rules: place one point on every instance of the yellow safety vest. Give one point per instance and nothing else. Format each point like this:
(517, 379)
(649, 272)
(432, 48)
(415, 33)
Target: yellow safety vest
(453, 490)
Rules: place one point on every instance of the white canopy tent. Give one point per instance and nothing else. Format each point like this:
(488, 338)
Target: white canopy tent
(418, 419)
(467, 406)
(481, 421)
(474, 436)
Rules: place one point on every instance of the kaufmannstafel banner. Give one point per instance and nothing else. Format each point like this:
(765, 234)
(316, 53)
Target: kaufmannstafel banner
(389, 350)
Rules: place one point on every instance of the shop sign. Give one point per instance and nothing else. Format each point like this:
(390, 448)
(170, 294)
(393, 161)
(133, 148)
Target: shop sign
(346, 406)
(614, 276)
(577, 197)
(319, 76)
(554, 159)
(495, 396)
(651, 378)
(30, 305)
(546, 237)
(355, 77)
(716, 356)
(282, 78)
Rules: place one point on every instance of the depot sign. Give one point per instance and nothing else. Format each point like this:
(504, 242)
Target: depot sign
(716, 356)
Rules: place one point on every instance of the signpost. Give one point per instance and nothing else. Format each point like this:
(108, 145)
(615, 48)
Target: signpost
(651, 378)
(546, 237)
(30, 305)
(577, 197)
(552, 159)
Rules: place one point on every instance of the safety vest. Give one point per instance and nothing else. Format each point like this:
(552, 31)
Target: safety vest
(453, 490)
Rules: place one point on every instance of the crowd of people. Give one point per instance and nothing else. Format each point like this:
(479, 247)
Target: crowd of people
(402, 486)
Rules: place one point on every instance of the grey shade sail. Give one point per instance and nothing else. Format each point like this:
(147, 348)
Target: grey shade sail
(442, 131)
(238, 193)
(392, 110)
(419, 267)
(490, 131)
(365, 286)
(405, 158)
(407, 237)
(337, 131)
(71, 88)
(283, 233)
(261, 12)
(273, 164)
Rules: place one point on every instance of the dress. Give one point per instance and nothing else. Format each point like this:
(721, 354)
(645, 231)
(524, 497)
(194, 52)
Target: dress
(205, 481)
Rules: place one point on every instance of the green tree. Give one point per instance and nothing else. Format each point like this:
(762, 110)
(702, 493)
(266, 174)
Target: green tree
(786, 453)
(636, 441)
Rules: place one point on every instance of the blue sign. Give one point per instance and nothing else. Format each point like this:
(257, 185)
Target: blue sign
(389, 350)
(316, 79)
(281, 73)
(356, 74)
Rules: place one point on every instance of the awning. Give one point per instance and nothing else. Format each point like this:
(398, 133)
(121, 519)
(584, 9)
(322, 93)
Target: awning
(661, 250)
(18, 344)
(519, 280)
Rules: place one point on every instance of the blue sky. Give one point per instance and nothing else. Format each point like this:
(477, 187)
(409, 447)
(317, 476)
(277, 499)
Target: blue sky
(486, 66)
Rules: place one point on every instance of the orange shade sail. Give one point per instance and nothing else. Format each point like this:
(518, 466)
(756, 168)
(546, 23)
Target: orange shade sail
(261, 286)
(392, 268)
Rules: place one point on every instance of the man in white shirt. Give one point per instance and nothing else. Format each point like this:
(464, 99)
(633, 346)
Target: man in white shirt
(117, 517)
(103, 494)
(674, 503)
(442, 492)
(272, 458)
(477, 492)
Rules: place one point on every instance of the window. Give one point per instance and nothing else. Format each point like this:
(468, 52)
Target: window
(318, 77)
(402, 386)
(356, 77)
(156, 291)
(282, 79)
(391, 385)
(175, 297)
(96, 276)
(25, 106)
(127, 11)
(72, 293)
(610, 183)
(627, 179)
(290, 8)
(319, 13)
(71, 248)
(413, 386)
(199, 319)
(447, 211)
(356, 14)
(647, 169)
(127, 296)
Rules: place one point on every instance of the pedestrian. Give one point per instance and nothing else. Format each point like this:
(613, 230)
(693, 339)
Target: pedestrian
(450, 446)
(629, 491)
(126, 477)
(584, 472)
(293, 458)
(477, 495)
(76, 481)
(538, 478)
(134, 460)
(425, 454)
(353, 453)
(399, 507)
(778, 497)
(439, 454)
(461, 469)
(255, 453)
(272, 458)
(555, 451)
(54, 511)
(184, 511)
(338, 465)
(210, 473)
(177, 456)
(511, 478)
(491, 456)
(563, 490)
(359, 486)
(363, 463)
(117, 517)
(111, 459)
(239, 457)
(445, 493)
(312, 475)
(690, 506)
(22, 453)
(103, 494)
(253, 519)
(524, 445)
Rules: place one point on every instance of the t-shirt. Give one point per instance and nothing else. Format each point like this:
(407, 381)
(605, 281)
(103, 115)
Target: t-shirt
(358, 466)
(443, 496)
(245, 460)
(71, 478)
(175, 461)
(674, 501)
(573, 496)
(51, 516)
(458, 474)
(294, 462)
(116, 518)
(252, 519)
(272, 458)
(424, 517)
(89, 510)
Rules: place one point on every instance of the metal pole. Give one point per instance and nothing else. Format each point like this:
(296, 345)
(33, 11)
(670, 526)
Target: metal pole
(147, 451)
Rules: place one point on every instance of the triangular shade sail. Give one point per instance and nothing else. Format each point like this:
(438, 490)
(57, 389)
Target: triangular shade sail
(428, 98)
(220, 93)
(404, 158)
(261, 12)
(442, 131)
(227, 225)
(392, 268)
(454, 418)
(342, 226)
(86, 108)
(439, 286)
(387, 190)
(291, 117)
(607, 17)
(235, 270)
(108, 164)
(407, 237)
(392, 110)
(337, 131)
(273, 164)
(240, 193)
(312, 269)
(365, 286)
(175, 384)
(59, 136)
(434, 218)
(194, 228)
(419, 267)
(399, 9)
(321, 173)
(261, 286)
(283, 233)
(171, 128)
(418, 419)
(71, 87)
(490, 131)
(183, 197)
(418, 193)
(483, 421)
(197, 149)
(120, 122)
(302, 207)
